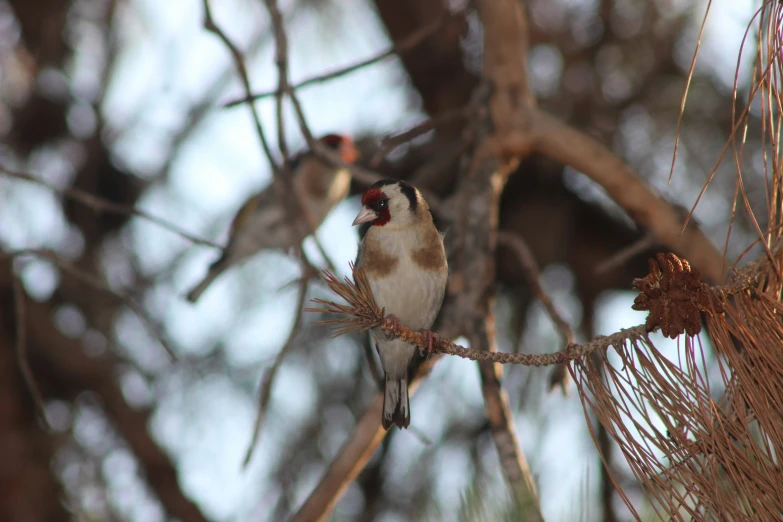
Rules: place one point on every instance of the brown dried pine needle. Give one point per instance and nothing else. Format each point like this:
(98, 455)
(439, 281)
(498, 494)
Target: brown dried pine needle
(361, 313)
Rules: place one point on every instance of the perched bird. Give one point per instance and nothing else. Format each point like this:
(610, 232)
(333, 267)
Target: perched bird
(263, 223)
(403, 257)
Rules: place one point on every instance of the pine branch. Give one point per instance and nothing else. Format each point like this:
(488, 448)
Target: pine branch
(361, 313)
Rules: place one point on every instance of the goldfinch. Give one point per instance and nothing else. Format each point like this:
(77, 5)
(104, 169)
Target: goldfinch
(262, 222)
(403, 257)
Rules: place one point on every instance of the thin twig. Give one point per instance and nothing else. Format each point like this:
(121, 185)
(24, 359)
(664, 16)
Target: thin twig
(96, 283)
(281, 60)
(559, 377)
(406, 44)
(265, 391)
(645, 242)
(21, 350)
(687, 88)
(202, 108)
(623, 255)
(516, 244)
(102, 205)
(284, 89)
(389, 143)
(239, 63)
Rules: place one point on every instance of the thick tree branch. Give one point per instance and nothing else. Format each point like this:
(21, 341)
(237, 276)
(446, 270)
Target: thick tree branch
(505, 35)
(505, 63)
(561, 142)
(480, 190)
(353, 456)
(521, 128)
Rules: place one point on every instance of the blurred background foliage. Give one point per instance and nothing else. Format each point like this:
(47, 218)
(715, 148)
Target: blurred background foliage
(122, 99)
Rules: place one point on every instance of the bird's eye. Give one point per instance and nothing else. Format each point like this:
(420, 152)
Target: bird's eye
(380, 205)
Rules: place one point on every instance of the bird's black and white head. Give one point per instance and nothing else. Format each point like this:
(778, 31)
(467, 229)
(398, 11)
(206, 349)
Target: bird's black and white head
(392, 204)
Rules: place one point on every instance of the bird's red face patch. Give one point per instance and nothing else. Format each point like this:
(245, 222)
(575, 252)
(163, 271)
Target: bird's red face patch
(348, 152)
(342, 144)
(332, 140)
(376, 200)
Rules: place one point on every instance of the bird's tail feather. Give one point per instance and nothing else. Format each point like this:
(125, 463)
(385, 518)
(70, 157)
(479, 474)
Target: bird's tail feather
(396, 405)
(215, 269)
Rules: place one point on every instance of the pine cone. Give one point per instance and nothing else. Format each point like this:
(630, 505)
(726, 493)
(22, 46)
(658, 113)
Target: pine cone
(674, 295)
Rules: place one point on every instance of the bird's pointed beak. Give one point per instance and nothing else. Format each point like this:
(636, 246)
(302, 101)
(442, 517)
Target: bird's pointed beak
(365, 216)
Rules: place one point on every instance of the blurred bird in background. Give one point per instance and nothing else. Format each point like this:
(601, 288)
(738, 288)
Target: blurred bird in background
(263, 222)
(403, 257)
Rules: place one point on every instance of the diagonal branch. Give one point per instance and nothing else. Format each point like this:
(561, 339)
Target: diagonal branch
(559, 376)
(21, 349)
(94, 282)
(406, 44)
(528, 262)
(353, 456)
(102, 205)
(561, 142)
(265, 391)
(391, 142)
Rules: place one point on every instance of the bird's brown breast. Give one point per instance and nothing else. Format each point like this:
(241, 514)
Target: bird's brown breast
(375, 261)
(431, 255)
